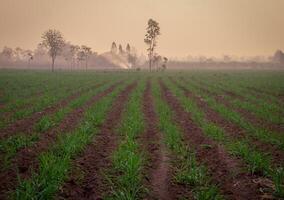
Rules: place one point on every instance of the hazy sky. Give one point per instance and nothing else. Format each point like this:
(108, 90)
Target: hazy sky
(207, 27)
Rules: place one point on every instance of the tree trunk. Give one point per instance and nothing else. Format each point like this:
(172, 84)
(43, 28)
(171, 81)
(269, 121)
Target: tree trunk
(150, 61)
(53, 60)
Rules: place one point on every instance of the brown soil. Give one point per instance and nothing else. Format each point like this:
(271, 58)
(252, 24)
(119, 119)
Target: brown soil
(225, 171)
(157, 168)
(26, 161)
(261, 92)
(91, 183)
(37, 94)
(2, 104)
(276, 153)
(225, 91)
(26, 125)
(231, 128)
(8, 114)
(252, 118)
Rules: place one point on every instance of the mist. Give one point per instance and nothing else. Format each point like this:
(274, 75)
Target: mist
(193, 33)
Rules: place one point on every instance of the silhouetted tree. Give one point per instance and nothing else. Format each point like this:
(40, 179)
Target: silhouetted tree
(80, 56)
(132, 59)
(156, 61)
(53, 41)
(164, 65)
(29, 55)
(113, 48)
(128, 49)
(278, 57)
(19, 53)
(227, 58)
(120, 50)
(131, 55)
(87, 52)
(74, 49)
(153, 30)
(7, 53)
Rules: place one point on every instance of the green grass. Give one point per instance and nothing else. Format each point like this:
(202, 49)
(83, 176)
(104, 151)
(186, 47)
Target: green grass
(46, 100)
(23, 93)
(264, 109)
(127, 159)
(187, 170)
(55, 164)
(252, 130)
(258, 162)
(10, 146)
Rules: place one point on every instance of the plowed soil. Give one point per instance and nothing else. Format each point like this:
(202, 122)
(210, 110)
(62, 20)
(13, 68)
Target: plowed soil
(96, 156)
(224, 170)
(26, 161)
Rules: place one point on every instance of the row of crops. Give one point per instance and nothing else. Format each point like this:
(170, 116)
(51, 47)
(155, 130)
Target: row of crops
(138, 135)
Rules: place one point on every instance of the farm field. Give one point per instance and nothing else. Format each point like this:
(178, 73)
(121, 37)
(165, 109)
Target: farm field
(197, 134)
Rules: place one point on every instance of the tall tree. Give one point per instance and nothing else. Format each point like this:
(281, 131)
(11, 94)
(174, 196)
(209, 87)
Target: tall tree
(132, 59)
(74, 49)
(29, 55)
(131, 55)
(156, 61)
(80, 57)
(54, 42)
(128, 49)
(113, 48)
(87, 52)
(153, 30)
(120, 50)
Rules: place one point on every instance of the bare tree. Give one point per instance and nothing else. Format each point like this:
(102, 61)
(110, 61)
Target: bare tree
(54, 42)
(29, 55)
(66, 53)
(74, 49)
(153, 30)
(80, 57)
(156, 61)
(87, 52)
(164, 65)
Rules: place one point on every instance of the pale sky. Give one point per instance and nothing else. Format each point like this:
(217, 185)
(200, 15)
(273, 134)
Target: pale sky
(195, 27)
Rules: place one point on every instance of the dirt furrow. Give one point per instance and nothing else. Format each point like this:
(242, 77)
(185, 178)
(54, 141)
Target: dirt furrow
(2, 104)
(26, 125)
(8, 114)
(225, 171)
(96, 156)
(261, 92)
(26, 161)
(157, 168)
(252, 118)
(232, 129)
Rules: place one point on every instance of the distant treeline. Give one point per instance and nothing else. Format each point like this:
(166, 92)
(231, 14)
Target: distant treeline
(224, 65)
(72, 57)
